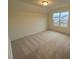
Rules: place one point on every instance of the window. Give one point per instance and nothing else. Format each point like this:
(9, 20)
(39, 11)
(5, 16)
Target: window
(60, 19)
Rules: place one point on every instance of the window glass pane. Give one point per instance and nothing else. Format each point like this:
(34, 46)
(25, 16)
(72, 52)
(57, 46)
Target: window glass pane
(56, 15)
(64, 19)
(56, 19)
(63, 25)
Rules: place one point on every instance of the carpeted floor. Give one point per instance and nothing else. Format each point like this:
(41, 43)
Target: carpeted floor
(43, 45)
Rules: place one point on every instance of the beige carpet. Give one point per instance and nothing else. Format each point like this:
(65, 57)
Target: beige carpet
(43, 45)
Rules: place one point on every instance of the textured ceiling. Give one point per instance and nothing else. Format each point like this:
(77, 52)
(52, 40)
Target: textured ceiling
(51, 3)
(35, 5)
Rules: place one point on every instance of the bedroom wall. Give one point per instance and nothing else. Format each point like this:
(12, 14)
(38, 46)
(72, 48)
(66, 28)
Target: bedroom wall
(10, 55)
(50, 23)
(26, 23)
(25, 19)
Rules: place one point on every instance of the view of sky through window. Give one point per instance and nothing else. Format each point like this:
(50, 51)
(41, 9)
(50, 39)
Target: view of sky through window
(61, 19)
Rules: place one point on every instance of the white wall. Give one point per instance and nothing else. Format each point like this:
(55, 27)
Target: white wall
(26, 23)
(25, 19)
(10, 55)
(50, 22)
